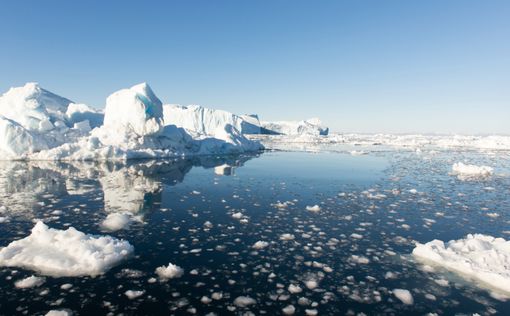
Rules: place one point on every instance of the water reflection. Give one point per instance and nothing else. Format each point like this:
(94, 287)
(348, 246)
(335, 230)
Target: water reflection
(128, 187)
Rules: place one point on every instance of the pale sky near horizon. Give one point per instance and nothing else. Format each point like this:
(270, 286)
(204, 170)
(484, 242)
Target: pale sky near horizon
(361, 66)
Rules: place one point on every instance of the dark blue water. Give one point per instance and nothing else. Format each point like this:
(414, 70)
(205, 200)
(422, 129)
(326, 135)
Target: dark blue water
(184, 210)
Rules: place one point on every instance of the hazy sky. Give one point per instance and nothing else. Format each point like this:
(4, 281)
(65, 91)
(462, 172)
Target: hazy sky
(366, 66)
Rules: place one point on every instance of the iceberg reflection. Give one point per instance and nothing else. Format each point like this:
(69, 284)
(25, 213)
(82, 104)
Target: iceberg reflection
(132, 187)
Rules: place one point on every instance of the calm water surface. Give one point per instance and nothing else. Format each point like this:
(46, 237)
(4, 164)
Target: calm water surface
(356, 249)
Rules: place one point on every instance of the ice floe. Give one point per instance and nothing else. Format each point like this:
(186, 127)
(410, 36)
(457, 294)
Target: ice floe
(478, 256)
(68, 252)
(471, 172)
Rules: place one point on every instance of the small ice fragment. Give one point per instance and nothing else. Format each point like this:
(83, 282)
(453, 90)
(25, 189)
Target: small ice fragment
(289, 310)
(260, 244)
(315, 208)
(169, 272)
(31, 281)
(244, 301)
(131, 294)
(404, 296)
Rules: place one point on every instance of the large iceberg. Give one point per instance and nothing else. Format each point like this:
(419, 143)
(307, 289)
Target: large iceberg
(311, 126)
(38, 125)
(204, 121)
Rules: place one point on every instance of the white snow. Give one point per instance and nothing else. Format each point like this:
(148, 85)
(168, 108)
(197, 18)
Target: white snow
(482, 257)
(471, 172)
(31, 281)
(68, 252)
(171, 271)
(404, 296)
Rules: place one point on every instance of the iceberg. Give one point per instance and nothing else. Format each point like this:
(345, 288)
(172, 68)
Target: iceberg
(311, 126)
(36, 124)
(199, 120)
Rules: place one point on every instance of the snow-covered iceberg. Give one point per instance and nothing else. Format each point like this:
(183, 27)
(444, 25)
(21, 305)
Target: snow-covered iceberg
(38, 125)
(62, 253)
(311, 126)
(477, 256)
(200, 120)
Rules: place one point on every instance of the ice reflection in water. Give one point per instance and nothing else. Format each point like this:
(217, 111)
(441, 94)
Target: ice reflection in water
(344, 259)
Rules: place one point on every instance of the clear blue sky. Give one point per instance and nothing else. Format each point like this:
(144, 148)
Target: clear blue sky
(368, 66)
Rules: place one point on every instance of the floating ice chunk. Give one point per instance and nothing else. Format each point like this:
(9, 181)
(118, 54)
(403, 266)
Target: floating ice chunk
(260, 244)
(311, 312)
(315, 208)
(471, 172)
(132, 294)
(237, 215)
(65, 252)
(59, 312)
(171, 271)
(287, 237)
(359, 259)
(311, 284)
(478, 256)
(356, 236)
(404, 296)
(116, 221)
(289, 310)
(295, 289)
(244, 301)
(31, 281)
(66, 286)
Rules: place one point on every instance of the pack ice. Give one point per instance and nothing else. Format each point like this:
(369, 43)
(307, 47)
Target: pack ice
(62, 253)
(36, 124)
(478, 256)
